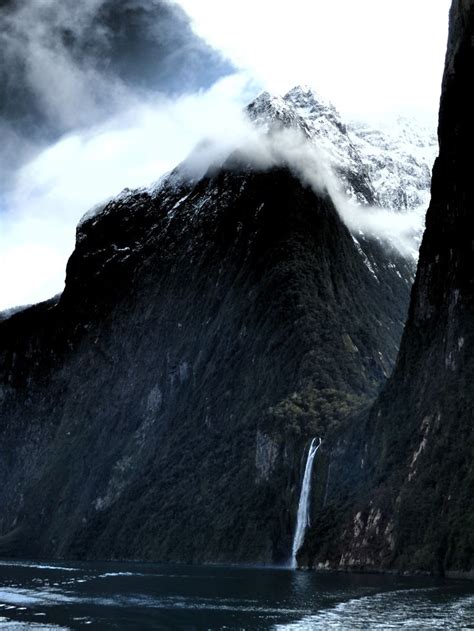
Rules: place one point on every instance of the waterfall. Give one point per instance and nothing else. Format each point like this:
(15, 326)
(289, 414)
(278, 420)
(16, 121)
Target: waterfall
(302, 518)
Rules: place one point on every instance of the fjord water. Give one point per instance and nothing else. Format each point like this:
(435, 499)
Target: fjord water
(45, 596)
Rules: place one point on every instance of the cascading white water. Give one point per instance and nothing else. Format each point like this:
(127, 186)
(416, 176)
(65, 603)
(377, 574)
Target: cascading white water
(302, 518)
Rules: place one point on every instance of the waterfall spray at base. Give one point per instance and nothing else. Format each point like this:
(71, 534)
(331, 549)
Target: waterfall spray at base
(302, 518)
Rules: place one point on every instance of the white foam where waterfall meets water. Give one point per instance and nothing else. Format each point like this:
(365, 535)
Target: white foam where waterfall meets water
(302, 518)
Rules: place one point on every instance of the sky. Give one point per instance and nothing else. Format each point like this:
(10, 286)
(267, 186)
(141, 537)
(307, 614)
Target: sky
(91, 107)
(367, 56)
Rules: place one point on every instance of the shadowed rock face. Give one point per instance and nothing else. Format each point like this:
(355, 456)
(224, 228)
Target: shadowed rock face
(207, 331)
(415, 455)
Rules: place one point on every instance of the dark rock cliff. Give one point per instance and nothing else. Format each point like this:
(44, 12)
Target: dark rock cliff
(160, 410)
(412, 464)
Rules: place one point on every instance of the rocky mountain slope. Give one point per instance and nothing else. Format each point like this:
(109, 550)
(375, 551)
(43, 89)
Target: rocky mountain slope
(399, 156)
(208, 330)
(395, 158)
(411, 481)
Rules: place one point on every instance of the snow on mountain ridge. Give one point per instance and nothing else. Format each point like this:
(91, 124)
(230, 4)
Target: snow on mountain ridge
(321, 124)
(394, 160)
(269, 112)
(312, 105)
(330, 135)
(377, 171)
(382, 176)
(399, 156)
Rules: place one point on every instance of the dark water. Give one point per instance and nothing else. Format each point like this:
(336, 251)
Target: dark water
(132, 596)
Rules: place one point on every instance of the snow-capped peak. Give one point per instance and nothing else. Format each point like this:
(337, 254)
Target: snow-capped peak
(388, 165)
(320, 122)
(312, 105)
(270, 112)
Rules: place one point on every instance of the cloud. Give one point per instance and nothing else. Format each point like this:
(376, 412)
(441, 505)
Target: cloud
(49, 194)
(98, 95)
(52, 192)
(400, 231)
(94, 96)
(68, 64)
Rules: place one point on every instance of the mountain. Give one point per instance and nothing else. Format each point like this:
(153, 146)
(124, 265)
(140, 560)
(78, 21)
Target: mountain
(407, 475)
(399, 156)
(394, 158)
(162, 407)
(210, 327)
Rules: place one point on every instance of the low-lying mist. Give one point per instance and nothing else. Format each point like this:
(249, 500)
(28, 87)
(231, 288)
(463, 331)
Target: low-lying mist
(291, 148)
(50, 194)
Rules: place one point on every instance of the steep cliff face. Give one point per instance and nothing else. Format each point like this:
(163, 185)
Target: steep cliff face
(412, 465)
(207, 331)
(210, 328)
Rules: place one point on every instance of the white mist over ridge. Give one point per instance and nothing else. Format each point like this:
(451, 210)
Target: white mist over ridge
(59, 54)
(379, 179)
(401, 231)
(261, 149)
(47, 197)
(300, 131)
(306, 134)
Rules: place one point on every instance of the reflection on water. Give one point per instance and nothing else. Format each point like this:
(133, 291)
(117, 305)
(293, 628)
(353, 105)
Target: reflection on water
(140, 596)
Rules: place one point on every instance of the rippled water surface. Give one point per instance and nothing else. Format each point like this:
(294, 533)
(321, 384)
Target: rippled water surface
(105, 596)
